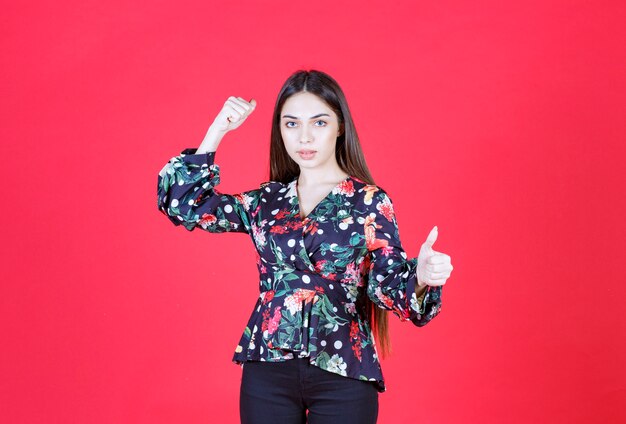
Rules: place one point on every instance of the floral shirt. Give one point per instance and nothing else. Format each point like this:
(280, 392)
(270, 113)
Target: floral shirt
(314, 273)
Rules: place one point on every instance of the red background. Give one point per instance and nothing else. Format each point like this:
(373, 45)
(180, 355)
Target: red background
(501, 123)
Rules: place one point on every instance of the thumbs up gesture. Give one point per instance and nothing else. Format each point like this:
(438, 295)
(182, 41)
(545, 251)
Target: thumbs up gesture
(433, 268)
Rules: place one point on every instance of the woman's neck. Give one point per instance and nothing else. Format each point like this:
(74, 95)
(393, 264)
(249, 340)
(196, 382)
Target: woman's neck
(313, 177)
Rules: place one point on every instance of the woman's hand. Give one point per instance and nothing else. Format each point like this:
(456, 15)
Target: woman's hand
(232, 115)
(433, 268)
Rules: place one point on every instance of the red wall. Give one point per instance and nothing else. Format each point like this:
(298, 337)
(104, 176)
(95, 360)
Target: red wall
(500, 122)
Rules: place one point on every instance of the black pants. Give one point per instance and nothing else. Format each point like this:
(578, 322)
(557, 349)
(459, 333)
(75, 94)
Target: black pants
(282, 392)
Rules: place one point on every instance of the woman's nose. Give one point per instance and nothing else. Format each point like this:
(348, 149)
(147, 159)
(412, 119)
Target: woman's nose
(305, 135)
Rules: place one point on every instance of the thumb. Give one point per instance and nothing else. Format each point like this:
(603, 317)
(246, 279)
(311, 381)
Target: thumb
(253, 103)
(432, 237)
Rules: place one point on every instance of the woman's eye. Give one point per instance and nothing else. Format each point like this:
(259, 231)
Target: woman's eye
(287, 124)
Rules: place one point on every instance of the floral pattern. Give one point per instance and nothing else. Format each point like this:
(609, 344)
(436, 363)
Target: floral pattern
(314, 273)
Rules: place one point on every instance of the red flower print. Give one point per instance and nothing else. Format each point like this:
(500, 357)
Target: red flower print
(387, 250)
(354, 330)
(298, 299)
(319, 289)
(351, 275)
(356, 348)
(266, 317)
(386, 209)
(282, 213)
(269, 295)
(322, 268)
(303, 295)
(295, 225)
(242, 199)
(256, 211)
(278, 229)
(371, 241)
(355, 336)
(312, 229)
(346, 188)
(388, 301)
(273, 324)
(207, 219)
(319, 265)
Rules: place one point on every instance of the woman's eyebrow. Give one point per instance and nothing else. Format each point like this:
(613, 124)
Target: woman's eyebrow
(312, 117)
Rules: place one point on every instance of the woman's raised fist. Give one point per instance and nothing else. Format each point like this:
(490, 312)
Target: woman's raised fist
(234, 112)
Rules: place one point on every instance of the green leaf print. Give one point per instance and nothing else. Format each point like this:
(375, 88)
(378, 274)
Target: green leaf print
(342, 255)
(322, 359)
(304, 255)
(278, 254)
(324, 308)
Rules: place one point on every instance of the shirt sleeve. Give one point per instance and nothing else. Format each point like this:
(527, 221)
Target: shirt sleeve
(391, 276)
(188, 197)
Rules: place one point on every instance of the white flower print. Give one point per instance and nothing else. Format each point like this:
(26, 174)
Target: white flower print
(337, 365)
(259, 234)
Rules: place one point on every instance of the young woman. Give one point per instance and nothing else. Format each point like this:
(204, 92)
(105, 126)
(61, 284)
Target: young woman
(331, 264)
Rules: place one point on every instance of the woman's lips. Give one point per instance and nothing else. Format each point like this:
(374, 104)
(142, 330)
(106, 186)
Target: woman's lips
(306, 154)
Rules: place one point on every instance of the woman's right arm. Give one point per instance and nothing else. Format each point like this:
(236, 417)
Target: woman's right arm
(186, 184)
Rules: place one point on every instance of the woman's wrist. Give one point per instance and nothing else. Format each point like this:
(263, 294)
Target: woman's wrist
(419, 289)
(211, 140)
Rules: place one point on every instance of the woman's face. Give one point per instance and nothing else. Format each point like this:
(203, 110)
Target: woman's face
(309, 129)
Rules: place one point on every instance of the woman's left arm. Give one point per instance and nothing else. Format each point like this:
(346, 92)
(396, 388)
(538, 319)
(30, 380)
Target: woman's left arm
(393, 281)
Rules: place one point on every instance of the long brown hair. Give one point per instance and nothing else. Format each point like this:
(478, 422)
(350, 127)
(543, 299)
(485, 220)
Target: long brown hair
(347, 152)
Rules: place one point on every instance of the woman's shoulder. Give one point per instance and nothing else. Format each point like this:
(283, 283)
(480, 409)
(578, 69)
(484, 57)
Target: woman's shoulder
(370, 191)
(271, 185)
